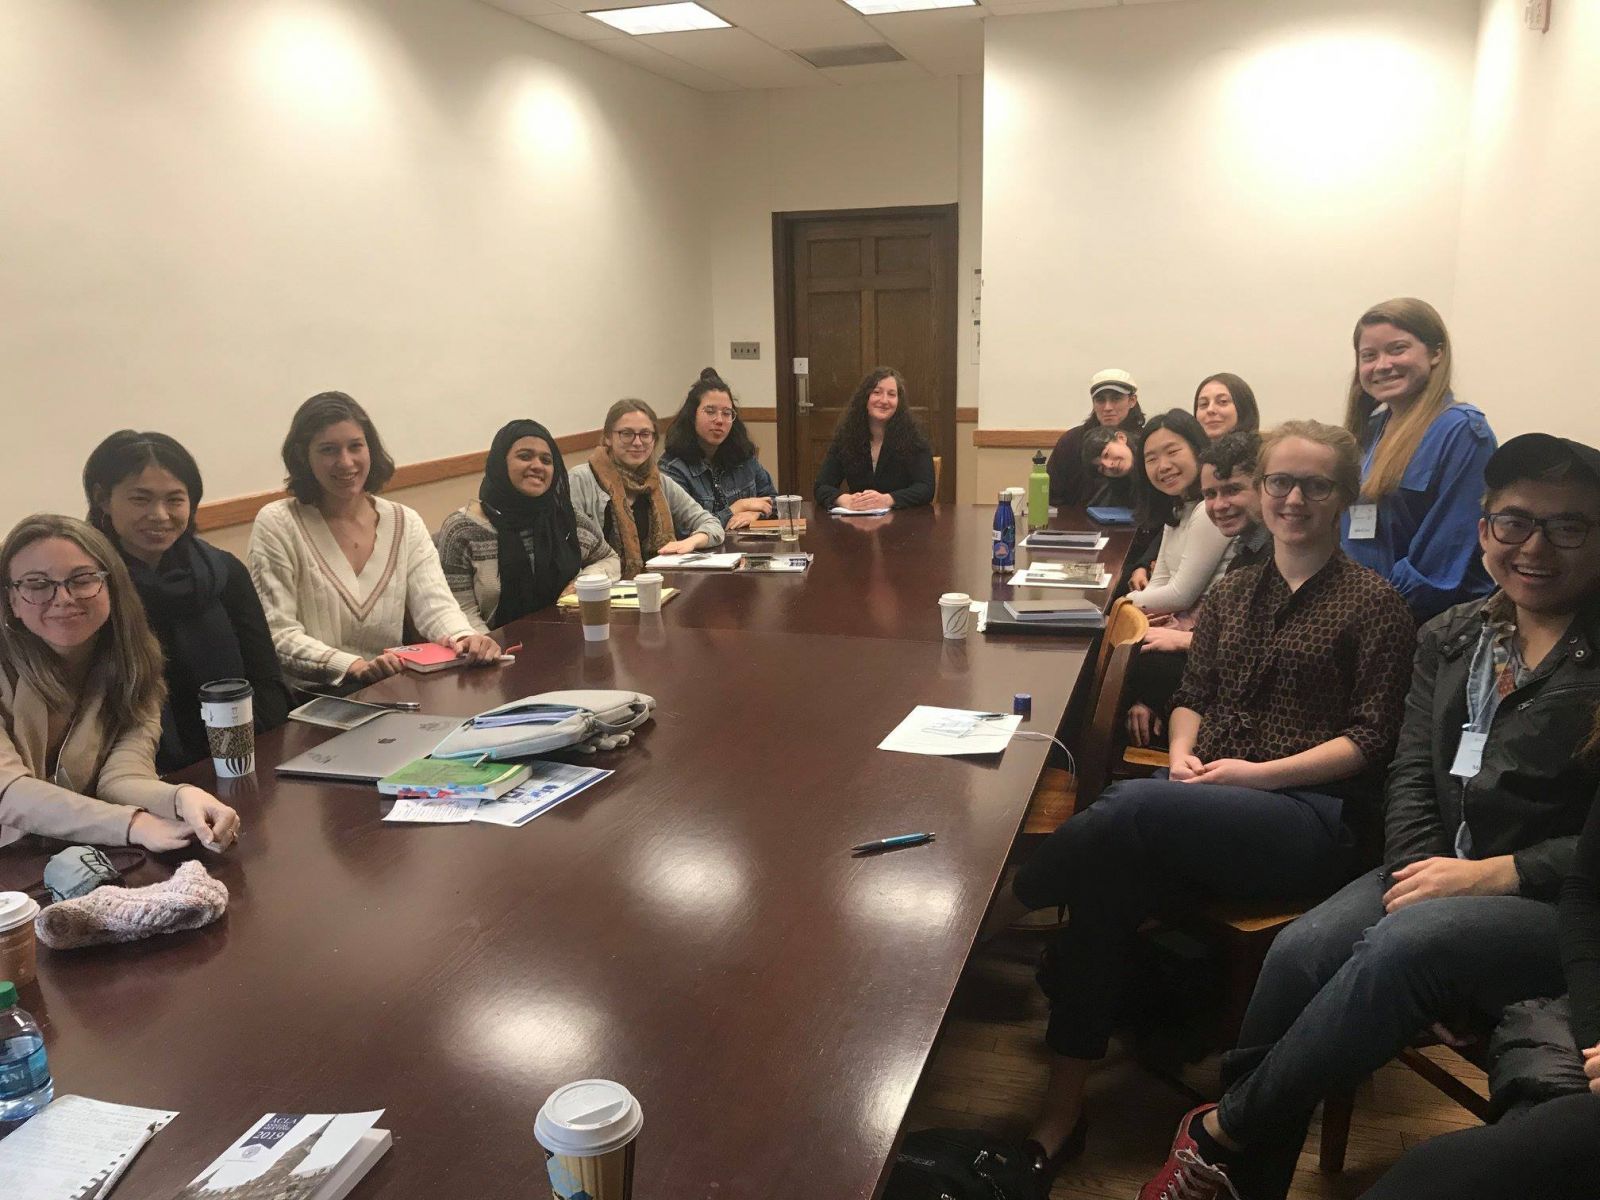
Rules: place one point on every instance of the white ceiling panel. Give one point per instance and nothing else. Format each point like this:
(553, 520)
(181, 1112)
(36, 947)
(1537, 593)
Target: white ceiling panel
(528, 8)
(1016, 7)
(943, 47)
(897, 72)
(738, 55)
(577, 27)
(634, 50)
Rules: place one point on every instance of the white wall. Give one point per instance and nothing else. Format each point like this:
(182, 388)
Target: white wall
(1178, 189)
(213, 210)
(1524, 319)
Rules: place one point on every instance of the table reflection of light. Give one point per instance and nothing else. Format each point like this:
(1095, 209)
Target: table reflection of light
(532, 1027)
(693, 876)
(900, 891)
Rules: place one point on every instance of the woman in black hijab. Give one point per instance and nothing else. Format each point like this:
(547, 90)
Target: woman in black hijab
(520, 544)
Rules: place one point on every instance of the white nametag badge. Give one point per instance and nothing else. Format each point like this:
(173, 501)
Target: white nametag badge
(1469, 755)
(1363, 522)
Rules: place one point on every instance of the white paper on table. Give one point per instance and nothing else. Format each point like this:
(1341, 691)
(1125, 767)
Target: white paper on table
(550, 784)
(443, 810)
(75, 1144)
(980, 613)
(917, 734)
(699, 560)
(858, 512)
(261, 1147)
(1043, 579)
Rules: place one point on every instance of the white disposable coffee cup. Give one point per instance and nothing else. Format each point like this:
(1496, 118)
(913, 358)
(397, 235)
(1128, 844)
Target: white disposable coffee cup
(649, 586)
(227, 710)
(588, 1130)
(955, 611)
(594, 606)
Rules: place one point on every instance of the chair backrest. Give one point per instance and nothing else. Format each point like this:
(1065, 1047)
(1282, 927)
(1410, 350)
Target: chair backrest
(1100, 742)
(1126, 625)
(938, 473)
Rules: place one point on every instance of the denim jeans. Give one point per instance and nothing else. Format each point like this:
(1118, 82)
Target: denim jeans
(1147, 840)
(1347, 987)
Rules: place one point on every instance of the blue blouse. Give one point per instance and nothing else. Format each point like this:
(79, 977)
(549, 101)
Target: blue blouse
(1427, 538)
(716, 490)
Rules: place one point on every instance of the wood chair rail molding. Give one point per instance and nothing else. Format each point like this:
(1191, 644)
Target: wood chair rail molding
(1016, 439)
(238, 510)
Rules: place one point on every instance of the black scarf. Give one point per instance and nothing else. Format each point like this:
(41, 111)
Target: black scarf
(529, 584)
(182, 596)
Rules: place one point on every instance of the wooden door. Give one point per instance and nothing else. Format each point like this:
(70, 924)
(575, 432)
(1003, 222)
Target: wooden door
(857, 290)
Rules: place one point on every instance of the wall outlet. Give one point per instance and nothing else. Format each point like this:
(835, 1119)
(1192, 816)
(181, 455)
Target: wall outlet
(744, 350)
(1536, 15)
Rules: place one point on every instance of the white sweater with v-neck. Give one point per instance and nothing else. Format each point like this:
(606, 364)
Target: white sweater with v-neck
(323, 616)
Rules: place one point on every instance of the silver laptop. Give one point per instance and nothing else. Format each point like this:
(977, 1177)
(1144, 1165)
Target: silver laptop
(369, 752)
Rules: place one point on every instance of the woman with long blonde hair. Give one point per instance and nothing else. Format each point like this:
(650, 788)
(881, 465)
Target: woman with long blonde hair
(1423, 456)
(81, 688)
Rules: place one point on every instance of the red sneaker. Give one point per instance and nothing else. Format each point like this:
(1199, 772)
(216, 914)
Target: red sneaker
(1187, 1176)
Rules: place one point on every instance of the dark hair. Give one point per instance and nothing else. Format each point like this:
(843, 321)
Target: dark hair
(1233, 453)
(852, 437)
(310, 419)
(1134, 419)
(1560, 471)
(1154, 504)
(684, 443)
(127, 453)
(1097, 439)
(1244, 401)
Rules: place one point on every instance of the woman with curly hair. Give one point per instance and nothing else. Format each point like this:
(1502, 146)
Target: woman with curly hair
(880, 458)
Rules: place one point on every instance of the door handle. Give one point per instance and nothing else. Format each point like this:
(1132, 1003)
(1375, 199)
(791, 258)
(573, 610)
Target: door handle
(803, 385)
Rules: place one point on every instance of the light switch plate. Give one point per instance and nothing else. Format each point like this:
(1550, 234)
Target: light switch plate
(744, 350)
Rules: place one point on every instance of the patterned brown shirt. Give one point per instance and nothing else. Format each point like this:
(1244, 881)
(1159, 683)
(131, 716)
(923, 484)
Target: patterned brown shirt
(1273, 672)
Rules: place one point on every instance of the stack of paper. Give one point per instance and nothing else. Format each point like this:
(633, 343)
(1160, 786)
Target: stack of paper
(295, 1156)
(699, 561)
(76, 1149)
(1073, 575)
(858, 512)
(549, 784)
(948, 731)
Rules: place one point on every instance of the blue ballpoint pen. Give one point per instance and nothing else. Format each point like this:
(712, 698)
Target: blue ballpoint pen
(892, 843)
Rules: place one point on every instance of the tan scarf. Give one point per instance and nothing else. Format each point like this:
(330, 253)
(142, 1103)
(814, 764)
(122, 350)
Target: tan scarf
(622, 486)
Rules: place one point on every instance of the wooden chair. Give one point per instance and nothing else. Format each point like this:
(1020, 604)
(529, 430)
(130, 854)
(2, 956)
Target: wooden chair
(1338, 1109)
(938, 474)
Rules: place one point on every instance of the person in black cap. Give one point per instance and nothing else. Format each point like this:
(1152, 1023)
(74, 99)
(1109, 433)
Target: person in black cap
(1485, 799)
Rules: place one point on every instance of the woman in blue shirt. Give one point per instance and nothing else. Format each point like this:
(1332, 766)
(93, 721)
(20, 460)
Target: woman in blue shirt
(1423, 456)
(710, 453)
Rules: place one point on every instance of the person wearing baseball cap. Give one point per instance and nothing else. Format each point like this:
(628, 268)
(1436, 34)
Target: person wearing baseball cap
(1493, 778)
(1114, 403)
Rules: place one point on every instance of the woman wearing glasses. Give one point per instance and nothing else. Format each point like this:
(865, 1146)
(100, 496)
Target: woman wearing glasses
(1290, 705)
(80, 701)
(620, 491)
(143, 490)
(1423, 460)
(710, 453)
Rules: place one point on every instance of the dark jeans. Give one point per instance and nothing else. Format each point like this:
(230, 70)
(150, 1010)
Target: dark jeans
(1146, 841)
(1347, 987)
(1550, 1151)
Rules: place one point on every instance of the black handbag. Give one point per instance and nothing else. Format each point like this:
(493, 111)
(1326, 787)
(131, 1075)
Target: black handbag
(961, 1164)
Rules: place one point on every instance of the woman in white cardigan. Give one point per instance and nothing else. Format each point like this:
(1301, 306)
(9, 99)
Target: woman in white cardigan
(1193, 550)
(339, 569)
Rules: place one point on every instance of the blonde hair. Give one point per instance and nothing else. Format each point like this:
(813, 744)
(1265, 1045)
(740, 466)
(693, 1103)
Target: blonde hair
(130, 664)
(1403, 433)
(1346, 453)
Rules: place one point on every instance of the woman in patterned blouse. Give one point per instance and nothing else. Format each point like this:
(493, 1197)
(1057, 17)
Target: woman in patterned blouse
(1288, 713)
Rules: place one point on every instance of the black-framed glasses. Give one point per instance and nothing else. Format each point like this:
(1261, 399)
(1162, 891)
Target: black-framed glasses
(1312, 487)
(1514, 528)
(644, 436)
(41, 589)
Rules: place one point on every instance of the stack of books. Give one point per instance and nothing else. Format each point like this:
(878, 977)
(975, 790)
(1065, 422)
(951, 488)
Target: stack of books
(452, 779)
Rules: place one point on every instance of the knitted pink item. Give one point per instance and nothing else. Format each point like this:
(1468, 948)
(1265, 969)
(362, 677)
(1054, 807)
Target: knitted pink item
(190, 899)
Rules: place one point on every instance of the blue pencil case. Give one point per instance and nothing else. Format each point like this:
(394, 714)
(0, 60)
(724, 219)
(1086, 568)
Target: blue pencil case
(1110, 516)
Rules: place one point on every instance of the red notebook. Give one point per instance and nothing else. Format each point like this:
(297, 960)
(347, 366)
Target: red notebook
(426, 657)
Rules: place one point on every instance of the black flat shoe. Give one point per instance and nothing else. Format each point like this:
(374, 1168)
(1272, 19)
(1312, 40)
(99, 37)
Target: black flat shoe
(1047, 1166)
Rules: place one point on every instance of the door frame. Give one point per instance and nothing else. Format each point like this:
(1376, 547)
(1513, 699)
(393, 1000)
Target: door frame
(946, 237)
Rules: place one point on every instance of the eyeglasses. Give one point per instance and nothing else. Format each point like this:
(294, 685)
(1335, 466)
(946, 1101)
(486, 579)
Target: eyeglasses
(717, 414)
(41, 590)
(1564, 533)
(630, 436)
(1312, 487)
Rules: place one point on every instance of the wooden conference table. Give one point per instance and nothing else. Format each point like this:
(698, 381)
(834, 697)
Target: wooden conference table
(694, 926)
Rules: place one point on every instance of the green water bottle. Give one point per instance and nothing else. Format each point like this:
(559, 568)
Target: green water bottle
(1038, 494)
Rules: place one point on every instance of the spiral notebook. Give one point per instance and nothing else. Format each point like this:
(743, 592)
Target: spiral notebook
(76, 1149)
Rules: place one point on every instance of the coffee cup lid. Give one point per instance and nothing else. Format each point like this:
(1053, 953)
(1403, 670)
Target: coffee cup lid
(955, 598)
(647, 577)
(588, 1118)
(219, 691)
(16, 908)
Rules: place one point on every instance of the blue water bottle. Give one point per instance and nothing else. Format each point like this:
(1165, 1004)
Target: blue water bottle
(1005, 535)
(25, 1084)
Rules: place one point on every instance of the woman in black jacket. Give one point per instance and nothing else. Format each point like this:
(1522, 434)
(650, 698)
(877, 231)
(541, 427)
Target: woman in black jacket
(143, 489)
(880, 458)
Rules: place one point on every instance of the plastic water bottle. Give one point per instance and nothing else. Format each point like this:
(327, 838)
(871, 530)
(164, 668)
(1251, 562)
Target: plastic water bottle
(25, 1083)
(1005, 535)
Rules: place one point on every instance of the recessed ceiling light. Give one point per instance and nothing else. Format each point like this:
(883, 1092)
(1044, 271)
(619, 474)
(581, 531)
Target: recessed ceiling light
(876, 8)
(659, 18)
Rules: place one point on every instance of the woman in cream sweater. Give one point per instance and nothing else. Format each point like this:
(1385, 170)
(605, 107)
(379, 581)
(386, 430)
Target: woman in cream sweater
(338, 568)
(81, 688)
